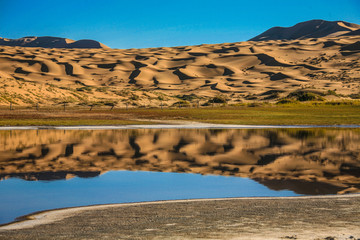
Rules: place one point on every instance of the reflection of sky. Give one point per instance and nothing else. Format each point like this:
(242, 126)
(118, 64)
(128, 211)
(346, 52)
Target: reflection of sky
(19, 197)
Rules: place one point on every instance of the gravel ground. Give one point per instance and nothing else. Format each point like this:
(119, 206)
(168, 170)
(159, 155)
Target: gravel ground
(327, 217)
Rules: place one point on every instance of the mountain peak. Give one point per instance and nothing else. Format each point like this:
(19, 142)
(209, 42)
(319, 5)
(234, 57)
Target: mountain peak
(51, 42)
(310, 29)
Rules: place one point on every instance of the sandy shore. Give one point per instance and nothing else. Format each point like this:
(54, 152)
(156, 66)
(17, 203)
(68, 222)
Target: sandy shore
(322, 217)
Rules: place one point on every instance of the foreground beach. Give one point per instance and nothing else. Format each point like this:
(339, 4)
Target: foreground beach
(321, 217)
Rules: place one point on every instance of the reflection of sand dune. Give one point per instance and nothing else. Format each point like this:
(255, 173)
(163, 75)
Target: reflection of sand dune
(236, 70)
(325, 156)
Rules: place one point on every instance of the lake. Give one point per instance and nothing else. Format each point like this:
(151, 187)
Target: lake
(54, 168)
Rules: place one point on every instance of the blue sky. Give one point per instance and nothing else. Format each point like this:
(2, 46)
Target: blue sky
(141, 23)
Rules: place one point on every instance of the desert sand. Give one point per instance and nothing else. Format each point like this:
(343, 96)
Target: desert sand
(238, 72)
(310, 162)
(307, 218)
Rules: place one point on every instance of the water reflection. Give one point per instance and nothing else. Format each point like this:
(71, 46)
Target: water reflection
(20, 197)
(307, 161)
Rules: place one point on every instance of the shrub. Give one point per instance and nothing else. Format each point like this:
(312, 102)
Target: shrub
(84, 89)
(272, 96)
(219, 99)
(331, 92)
(255, 104)
(286, 101)
(251, 97)
(134, 97)
(187, 97)
(340, 103)
(305, 96)
(355, 96)
(102, 89)
(182, 103)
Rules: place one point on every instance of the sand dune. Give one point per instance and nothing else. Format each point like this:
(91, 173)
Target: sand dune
(239, 72)
(306, 161)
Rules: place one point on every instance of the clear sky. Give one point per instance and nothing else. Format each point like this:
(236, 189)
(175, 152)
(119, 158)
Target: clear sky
(145, 23)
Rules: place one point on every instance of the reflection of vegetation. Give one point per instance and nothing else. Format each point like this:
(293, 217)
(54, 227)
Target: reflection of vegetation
(274, 135)
(274, 138)
(216, 131)
(304, 134)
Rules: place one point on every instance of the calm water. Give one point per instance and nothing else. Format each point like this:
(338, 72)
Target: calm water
(19, 197)
(46, 169)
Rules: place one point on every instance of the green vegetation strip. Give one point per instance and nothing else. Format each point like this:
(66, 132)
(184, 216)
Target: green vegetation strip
(66, 122)
(292, 114)
(264, 115)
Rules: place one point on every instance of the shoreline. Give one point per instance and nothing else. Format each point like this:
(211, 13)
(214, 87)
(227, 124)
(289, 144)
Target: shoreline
(57, 214)
(172, 125)
(303, 217)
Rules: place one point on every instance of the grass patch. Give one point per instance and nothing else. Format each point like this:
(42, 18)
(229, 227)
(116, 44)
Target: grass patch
(297, 114)
(67, 122)
(309, 113)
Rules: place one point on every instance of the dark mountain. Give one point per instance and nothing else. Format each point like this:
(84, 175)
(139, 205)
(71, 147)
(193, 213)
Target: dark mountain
(309, 29)
(50, 42)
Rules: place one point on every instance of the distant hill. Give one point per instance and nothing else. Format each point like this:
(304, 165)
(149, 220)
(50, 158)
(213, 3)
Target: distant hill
(309, 29)
(51, 42)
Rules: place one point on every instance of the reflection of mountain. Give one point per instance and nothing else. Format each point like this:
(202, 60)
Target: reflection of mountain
(47, 176)
(326, 161)
(301, 186)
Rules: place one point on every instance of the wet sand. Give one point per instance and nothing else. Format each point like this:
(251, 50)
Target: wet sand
(322, 217)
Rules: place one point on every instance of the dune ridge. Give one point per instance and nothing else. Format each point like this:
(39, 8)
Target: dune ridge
(237, 72)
